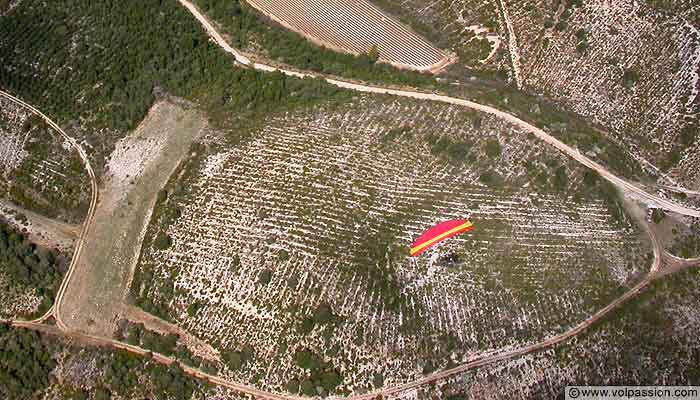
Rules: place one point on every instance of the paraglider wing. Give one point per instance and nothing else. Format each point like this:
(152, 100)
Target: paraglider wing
(438, 233)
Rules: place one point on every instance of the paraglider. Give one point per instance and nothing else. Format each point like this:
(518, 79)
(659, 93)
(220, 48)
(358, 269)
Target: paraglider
(438, 233)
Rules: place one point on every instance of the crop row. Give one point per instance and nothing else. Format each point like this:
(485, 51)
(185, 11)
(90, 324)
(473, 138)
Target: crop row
(294, 246)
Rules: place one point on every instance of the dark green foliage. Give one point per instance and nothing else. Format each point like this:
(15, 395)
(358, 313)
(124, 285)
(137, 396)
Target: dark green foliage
(490, 178)
(561, 179)
(28, 265)
(193, 308)
(102, 394)
(373, 54)
(265, 277)
(378, 380)
(595, 184)
(687, 245)
(234, 359)
(306, 326)
(323, 314)
(293, 386)
(162, 241)
(138, 335)
(122, 376)
(243, 23)
(292, 282)
(455, 151)
(113, 70)
(307, 388)
(493, 148)
(79, 395)
(25, 363)
(27, 358)
(657, 215)
(238, 359)
(322, 374)
(630, 77)
(399, 132)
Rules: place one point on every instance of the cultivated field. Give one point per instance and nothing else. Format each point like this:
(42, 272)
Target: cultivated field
(289, 251)
(471, 28)
(139, 166)
(355, 27)
(40, 177)
(629, 66)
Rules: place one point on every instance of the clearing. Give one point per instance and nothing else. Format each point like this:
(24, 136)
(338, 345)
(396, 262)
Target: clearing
(138, 168)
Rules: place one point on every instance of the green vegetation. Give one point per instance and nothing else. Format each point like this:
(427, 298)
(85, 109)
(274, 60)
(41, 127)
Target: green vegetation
(493, 148)
(27, 358)
(582, 45)
(34, 184)
(630, 77)
(594, 183)
(687, 245)
(321, 374)
(162, 241)
(658, 215)
(243, 24)
(29, 266)
(238, 359)
(25, 363)
(265, 276)
(164, 214)
(75, 61)
(457, 151)
(138, 335)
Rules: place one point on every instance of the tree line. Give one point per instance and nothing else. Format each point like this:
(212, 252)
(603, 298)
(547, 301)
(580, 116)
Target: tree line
(29, 265)
(245, 24)
(94, 66)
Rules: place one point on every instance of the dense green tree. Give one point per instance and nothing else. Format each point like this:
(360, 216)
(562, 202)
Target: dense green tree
(28, 265)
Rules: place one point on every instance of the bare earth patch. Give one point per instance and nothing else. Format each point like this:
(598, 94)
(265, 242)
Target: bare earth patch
(138, 168)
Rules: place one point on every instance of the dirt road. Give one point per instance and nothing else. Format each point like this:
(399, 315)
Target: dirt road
(45, 231)
(61, 328)
(539, 133)
(88, 219)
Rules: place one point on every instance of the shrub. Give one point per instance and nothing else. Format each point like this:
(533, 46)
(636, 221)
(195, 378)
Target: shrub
(265, 276)
(493, 148)
(162, 241)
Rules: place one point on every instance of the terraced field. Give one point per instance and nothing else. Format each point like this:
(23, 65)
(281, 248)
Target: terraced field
(355, 27)
(289, 253)
(628, 66)
(36, 174)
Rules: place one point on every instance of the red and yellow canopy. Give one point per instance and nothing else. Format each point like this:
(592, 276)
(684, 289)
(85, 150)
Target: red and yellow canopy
(439, 233)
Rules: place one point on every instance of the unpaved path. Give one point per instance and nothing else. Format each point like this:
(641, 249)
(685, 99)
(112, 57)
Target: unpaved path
(88, 218)
(481, 361)
(512, 44)
(152, 323)
(539, 133)
(43, 230)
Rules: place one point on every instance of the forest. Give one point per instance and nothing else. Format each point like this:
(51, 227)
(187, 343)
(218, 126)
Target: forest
(30, 266)
(28, 359)
(93, 67)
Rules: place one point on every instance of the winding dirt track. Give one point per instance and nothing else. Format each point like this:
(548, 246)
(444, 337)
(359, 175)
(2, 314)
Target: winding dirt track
(539, 133)
(53, 311)
(61, 329)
